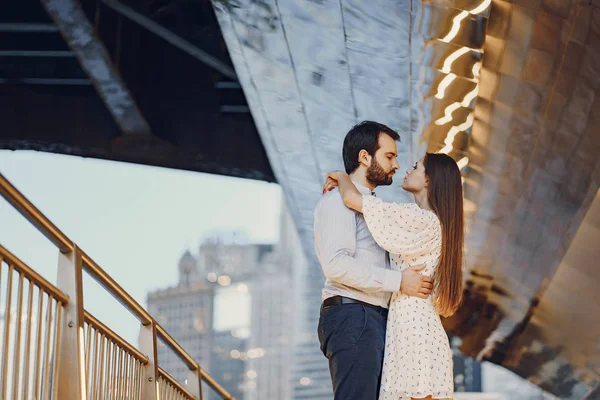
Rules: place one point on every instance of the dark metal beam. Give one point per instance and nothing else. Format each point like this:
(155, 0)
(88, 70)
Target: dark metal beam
(228, 85)
(27, 27)
(235, 109)
(95, 60)
(36, 53)
(172, 38)
(46, 81)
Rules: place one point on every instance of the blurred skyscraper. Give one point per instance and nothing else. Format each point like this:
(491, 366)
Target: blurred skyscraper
(311, 371)
(233, 310)
(270, 349)
(230, 369)
(186, 312)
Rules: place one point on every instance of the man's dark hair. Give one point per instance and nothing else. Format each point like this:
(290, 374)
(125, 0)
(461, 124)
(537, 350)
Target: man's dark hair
(363, 136)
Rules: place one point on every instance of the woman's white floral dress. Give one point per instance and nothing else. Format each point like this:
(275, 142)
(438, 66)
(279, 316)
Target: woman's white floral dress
(418, 359)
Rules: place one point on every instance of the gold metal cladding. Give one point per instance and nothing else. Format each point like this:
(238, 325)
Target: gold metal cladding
(451, 25)
(476, 7)
(170, 386)
(33, 215)
(448, 55)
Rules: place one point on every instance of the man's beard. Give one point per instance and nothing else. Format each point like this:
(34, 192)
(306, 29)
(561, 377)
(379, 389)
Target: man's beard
(377, 176)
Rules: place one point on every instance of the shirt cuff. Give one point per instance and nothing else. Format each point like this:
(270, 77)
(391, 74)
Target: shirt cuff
(393, 279)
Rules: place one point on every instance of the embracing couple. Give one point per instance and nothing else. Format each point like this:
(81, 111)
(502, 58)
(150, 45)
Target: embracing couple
(391, 270)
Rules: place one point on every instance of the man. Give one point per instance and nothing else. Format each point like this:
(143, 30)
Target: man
(359, 280)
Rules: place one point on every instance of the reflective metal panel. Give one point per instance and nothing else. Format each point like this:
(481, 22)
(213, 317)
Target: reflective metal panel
(533, 173)
(506, 88)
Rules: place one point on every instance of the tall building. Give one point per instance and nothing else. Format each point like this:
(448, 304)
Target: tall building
(227, 365)
(270, 354)
(229, 281)
(270, 349)
(186, 312)
(191, 313)
(311, 371)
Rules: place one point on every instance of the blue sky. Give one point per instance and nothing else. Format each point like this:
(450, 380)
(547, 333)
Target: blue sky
(134, 221)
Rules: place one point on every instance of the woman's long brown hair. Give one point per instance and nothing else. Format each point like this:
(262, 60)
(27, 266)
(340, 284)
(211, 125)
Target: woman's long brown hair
(445, 198)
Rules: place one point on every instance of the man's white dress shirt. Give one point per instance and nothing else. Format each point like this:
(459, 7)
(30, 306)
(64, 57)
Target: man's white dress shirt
(354, 265)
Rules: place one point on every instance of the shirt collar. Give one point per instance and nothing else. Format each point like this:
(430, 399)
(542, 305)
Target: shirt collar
(362, 189)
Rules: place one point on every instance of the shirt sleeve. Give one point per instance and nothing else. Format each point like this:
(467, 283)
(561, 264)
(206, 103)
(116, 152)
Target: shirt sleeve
(400, 228)
(335, 244)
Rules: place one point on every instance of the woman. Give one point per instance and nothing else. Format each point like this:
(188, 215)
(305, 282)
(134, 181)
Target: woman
(418, 359)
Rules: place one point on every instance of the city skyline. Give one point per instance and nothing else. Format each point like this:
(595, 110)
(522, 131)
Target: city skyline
(233, 311)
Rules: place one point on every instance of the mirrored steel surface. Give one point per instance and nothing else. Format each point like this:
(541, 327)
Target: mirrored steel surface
(534, 158)
(509, 89)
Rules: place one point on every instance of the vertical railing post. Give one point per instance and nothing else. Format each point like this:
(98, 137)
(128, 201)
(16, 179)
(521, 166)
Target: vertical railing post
(194, 382)
(71, 353)
(148, 346)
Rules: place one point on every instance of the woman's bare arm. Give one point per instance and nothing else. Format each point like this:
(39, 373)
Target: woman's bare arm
(351, 196)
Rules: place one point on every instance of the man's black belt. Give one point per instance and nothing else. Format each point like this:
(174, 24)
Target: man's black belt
(339, 300)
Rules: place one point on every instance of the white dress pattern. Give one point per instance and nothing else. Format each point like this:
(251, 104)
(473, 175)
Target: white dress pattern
(417, 359)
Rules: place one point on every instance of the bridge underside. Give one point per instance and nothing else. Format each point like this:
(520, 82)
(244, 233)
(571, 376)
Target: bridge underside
(509, 89)
(147, 82)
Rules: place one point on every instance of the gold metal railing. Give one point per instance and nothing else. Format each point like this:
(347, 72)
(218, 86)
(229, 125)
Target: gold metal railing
(113, 366)
(30, 330)
(169, 388)
(76, 356)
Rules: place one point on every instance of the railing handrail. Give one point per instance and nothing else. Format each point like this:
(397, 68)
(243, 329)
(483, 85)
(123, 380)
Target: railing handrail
(215, 385)
(66, 246)
(35, 216)
(32, 275)
(100, 276)
(190, 362)
(173, 345)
